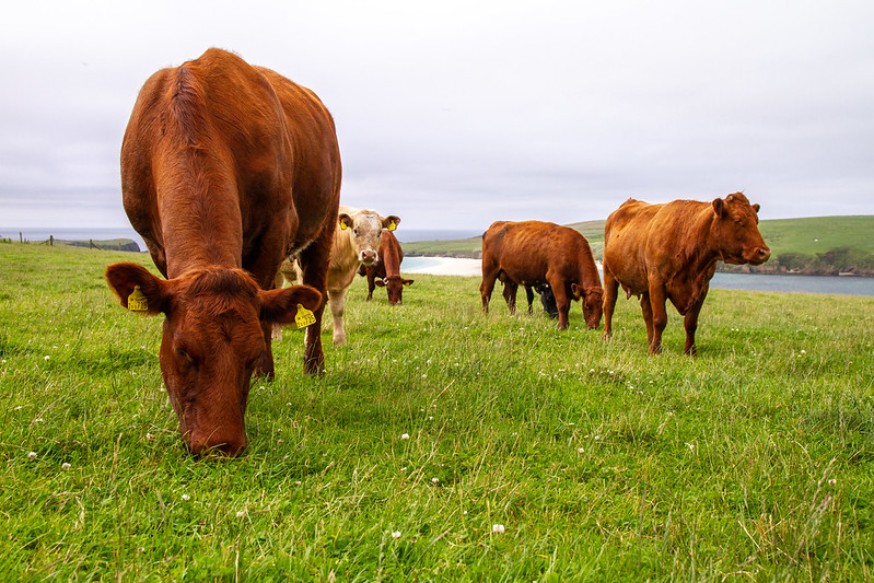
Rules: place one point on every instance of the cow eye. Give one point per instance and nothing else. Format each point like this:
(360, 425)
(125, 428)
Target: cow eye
(185, 357)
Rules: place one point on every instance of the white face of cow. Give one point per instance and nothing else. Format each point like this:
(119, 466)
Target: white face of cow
(365, 228)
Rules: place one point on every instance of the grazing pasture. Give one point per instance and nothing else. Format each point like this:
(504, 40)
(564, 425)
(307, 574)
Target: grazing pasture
(441, 444)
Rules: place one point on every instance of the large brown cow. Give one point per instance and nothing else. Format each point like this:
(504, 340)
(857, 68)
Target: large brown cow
(226, 168)
(534, 252)
(669, 251)
(386, 272)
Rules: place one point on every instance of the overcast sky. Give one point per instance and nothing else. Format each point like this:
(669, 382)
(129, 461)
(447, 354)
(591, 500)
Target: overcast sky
(453, 114)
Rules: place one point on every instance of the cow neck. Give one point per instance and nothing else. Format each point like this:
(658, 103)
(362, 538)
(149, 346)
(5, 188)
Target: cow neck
(198, 234)
(390, 257)
(588, 269)
(698, 250)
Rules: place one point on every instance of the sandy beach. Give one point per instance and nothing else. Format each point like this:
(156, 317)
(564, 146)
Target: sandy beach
(442, 266)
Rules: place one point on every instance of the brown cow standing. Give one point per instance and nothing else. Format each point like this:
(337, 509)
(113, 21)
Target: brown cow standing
(533, 252)
(386, 272)
(225, 169)
(669, 251)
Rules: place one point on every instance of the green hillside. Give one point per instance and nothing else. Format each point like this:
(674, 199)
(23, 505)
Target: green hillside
(820, 245)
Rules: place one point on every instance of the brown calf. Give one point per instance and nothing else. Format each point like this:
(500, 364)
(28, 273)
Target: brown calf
(534, 252)
(386, 272)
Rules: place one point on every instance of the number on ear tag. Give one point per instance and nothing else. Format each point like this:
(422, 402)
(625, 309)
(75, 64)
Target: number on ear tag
(137, 301)
(304, 317)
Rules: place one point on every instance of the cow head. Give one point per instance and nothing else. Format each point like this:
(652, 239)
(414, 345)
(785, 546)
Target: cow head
(365, 228)
(593, 304)
(737, 232)
(395, 288)
(214, 328)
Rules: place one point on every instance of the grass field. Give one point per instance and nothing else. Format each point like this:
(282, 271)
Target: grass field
(442, 444)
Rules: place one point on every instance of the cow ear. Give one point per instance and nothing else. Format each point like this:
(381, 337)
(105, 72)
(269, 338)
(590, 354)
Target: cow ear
(408, 281)
(577, 291)
(279, 306)
(391, 222)
(719, 207)
(137, 289)
(756, 207)
(345, 221)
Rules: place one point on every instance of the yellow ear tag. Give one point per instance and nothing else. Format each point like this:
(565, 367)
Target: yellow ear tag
(343, 226)
(304, 317)
(392, 225)
(137, 301)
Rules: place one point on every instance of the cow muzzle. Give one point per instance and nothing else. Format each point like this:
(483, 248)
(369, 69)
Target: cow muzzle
(760, 255)
(226, 444)
(367, 256)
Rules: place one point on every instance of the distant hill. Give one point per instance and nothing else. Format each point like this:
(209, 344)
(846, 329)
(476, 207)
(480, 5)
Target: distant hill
(818, 245)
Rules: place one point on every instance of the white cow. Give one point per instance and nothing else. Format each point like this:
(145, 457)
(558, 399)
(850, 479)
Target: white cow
(356, 243)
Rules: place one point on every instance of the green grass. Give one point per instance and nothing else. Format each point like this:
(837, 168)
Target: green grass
(754, 460)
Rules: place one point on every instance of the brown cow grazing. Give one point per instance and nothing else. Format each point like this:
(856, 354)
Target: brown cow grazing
(669, 251)
(386, 272)
(226, 167)
(534, 252)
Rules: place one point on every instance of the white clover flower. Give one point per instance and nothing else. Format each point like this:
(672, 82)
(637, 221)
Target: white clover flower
(31, 455)
(396, 534)
(46, 357)
(832, 482)
(38, 420)
(65, 466)
(435, 480)
(498, 529)
(802, 351)
(241, 514)
(581, 450)
(186, 497)
(691, 446)
(149, 437)
(405, 435)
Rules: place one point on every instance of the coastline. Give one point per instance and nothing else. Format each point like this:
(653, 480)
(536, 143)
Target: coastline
(773, 282)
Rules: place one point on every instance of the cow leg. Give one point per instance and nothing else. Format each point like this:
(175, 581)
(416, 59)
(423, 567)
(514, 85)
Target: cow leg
(611, 291)
(276, 332)
(646, 308)
(338, 309)
(510, 289)
(562, 301)
(659, 317)
(314, 264)
(486, 288)
(690, 323)
(529, 295)
(371, 277)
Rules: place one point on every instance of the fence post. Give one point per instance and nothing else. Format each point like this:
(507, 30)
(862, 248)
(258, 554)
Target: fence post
(51, 240)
